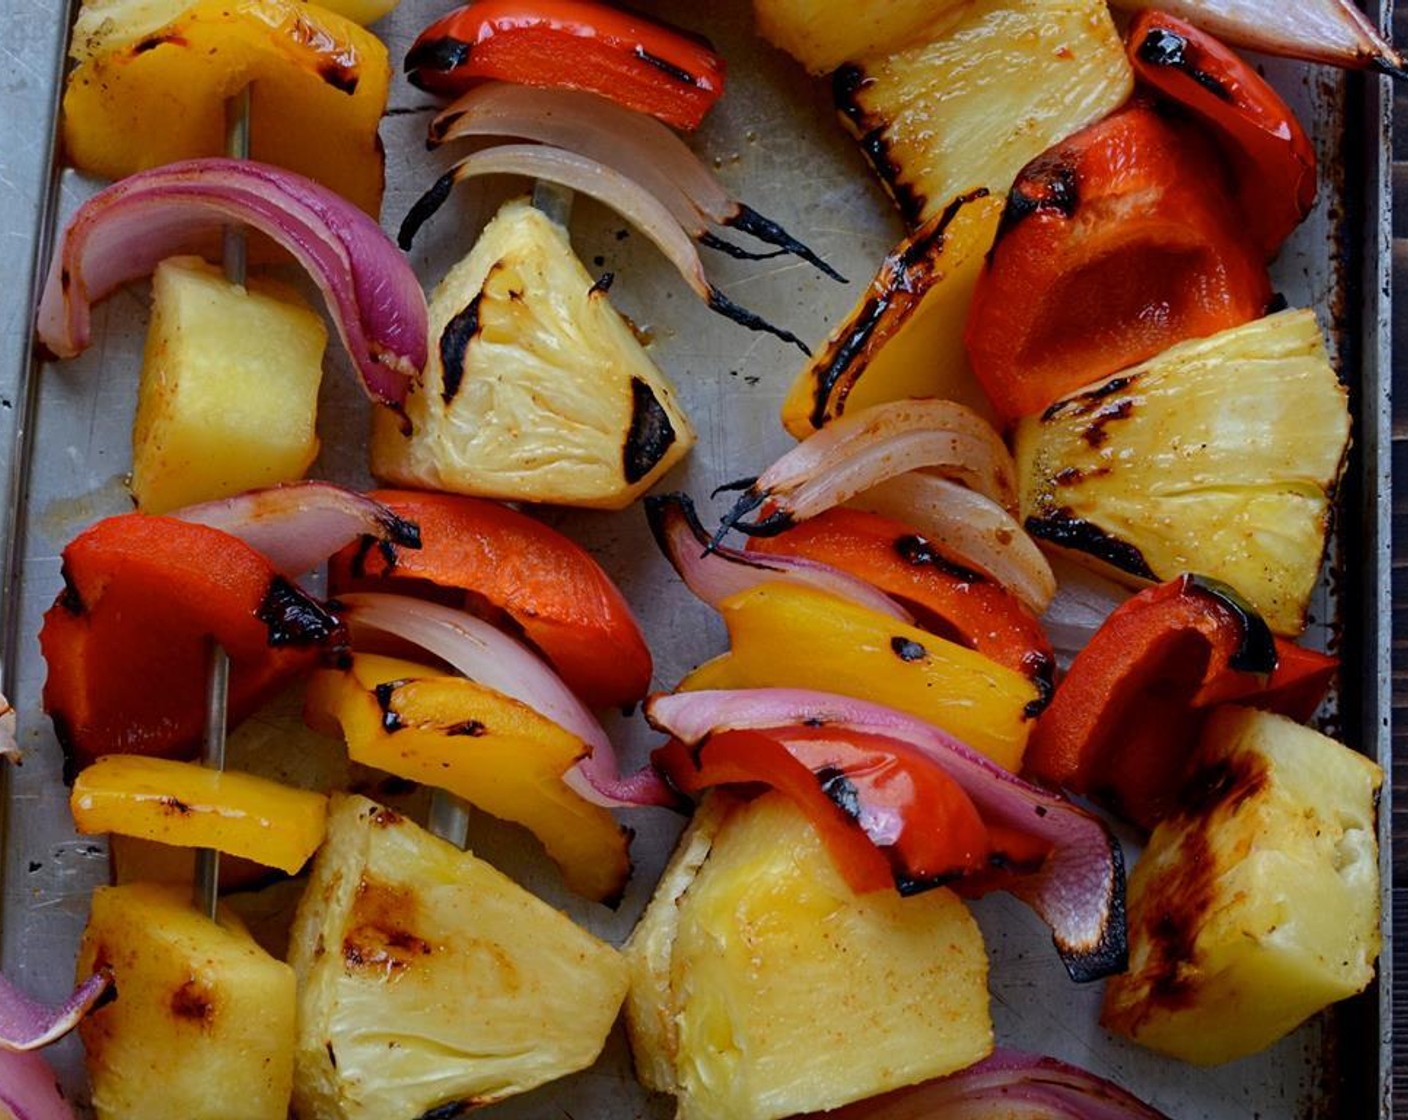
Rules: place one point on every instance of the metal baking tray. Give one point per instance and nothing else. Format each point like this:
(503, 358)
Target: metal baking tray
(65, 449)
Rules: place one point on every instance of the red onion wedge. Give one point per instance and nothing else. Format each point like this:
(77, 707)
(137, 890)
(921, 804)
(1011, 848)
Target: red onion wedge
(715, 573)
(121, 234)
(29, 1090)
(632, 201)
(487, 655)
(638, 146)
(969, 525)
(1330, 31)
(299, 525)
(1006, 1085)
(1082, 602)
(1079, 891)
(27, 1024)
(863, 449)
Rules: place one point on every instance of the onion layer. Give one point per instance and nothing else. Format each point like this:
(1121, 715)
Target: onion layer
(27, 1024)
(714, 573)
(1005, 1085)
(29, 1090)
(863, 449)
(1079, 891)
(636, 145)
(1082, 602)
(1332, 31)
(970, 525)
(299, 525)
(628, 198)
(124, 231)
(487, 655)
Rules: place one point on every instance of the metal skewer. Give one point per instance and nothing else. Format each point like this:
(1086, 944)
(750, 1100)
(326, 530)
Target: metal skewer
(449, 815)
(217, 690)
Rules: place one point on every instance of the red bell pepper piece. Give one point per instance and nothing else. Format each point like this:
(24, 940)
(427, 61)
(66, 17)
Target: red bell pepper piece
(1127, 716)
(890, 817)
(505, 566)
(1272, 158)
(1114, 245)
(128, 640)
(571, 44)
(946, 598)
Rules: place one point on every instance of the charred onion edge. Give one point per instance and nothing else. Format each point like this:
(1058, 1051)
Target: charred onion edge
(715, 573)
(1089, 932)
(609, 187)
(635, 144)
(376, 301)
(26, 1024)
(860, 450)
(298, 525)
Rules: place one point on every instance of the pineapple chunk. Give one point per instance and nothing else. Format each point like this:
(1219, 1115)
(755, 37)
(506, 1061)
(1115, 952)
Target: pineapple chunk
(761, 986)
(1219, 457)
(229, 392)
(905, 336)
(1258, 903)
(973, 106)
(203, 1023)
(536, 389)
(821, 37)
(429, 982)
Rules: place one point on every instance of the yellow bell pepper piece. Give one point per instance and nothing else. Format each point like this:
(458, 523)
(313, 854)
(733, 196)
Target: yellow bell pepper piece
(495, 752)
(904, 337)
(318, 87)
(189, 806)
(797, 637)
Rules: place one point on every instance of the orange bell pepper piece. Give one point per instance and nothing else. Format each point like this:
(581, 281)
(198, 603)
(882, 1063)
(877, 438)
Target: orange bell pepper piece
(1272, 159)
(1115, 244)
(890, 817)
(506, 566)
(1128, 715)
(128, 640)
(571, 44)
(945, 597)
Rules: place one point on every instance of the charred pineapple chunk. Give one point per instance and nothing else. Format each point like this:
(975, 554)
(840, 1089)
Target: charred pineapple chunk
(536, 389)
(1220, 456)
(228, 398)
(816, 34)
(203, 1023)
(972, 106)
(1257, 904)
(762, 987)
(905, 336)
(428, 983)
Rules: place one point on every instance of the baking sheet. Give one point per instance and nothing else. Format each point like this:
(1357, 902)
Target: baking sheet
(66, 438)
